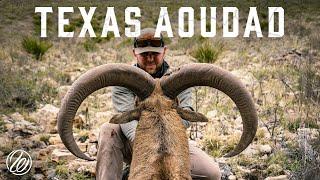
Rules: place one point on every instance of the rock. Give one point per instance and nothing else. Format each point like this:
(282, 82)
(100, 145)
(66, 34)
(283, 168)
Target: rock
(6, 119)
(82, 146)
(40, 166)
(59, 154)
(83, 166)
(212, 114)
(282, 177)
(232, 177)
(47, 118)
(5, 140)
(43, 153)
(55, 139)
(51, 174)
(1, 153)
(9, 126)
(250, 151)
(265, 149)
(225, 169)
(308, 133)
(22, 142)
(38, 177)
(93, 150)
(21, 127)
(16, 117)
(265, 132)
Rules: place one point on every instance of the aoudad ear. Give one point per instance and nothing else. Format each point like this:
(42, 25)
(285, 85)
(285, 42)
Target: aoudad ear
(191, 115)
(126, 117)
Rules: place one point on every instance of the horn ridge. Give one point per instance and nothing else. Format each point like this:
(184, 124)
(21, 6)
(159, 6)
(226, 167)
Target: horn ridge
(133, 78)
(198, 74)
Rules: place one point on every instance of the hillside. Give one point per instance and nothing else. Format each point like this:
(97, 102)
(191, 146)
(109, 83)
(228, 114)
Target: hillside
(282, 75)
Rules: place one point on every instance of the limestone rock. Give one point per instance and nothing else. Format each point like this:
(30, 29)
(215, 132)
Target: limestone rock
(265, 149)
(82, 146)
(251, 151)
(16, 117)
(83, 166)
(59, 154)
(47, 118)
(55, 139)
(18, 126)
(282, 177)
(93, 150)
(38, 177)
(232, 177)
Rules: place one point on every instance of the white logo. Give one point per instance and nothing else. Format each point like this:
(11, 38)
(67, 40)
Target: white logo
(19, 162)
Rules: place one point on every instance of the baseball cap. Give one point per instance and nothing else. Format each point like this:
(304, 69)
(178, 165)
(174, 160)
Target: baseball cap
(146, 42)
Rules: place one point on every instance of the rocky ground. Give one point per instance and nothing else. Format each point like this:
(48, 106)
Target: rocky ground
(282, 76)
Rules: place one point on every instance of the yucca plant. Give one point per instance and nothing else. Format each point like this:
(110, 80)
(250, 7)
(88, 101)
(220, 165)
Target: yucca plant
(207, 53)
(36, 47)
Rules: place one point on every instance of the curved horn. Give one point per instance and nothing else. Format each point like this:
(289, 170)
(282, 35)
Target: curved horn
(210, 75)
(102, 76)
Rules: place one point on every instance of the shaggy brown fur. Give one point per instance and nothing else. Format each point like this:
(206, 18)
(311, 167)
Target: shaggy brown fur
(160, 150)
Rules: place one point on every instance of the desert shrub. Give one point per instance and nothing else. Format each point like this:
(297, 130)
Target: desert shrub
(45, 138)
(80, 176)
(62, 171)
(89, 45)
(36, 47)
(83, 135)
(207, 53)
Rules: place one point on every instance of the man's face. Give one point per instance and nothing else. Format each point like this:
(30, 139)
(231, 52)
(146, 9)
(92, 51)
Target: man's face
(150, 62)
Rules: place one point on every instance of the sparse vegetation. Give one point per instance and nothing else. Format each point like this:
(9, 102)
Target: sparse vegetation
(45, 138)
(282, 75)
(62, 171)
(80, 176)
(36, 47)
(207, 52)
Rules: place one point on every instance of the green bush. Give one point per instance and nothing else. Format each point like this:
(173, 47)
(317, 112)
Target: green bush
(62, 171)
(36, 47)
(89, 45)
(45, 138)
(207, 53)
(80, 176)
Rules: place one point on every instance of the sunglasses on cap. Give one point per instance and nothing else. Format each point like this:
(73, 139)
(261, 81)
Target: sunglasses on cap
(148, 42)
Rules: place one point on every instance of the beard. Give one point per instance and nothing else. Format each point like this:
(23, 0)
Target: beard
(152, 68)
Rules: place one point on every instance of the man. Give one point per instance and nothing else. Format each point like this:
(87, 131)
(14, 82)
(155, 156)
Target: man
(115, 141)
